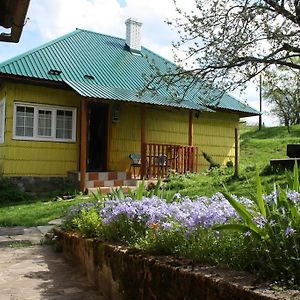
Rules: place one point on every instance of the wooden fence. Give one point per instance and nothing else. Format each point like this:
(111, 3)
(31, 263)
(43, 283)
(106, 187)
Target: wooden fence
(158, 159)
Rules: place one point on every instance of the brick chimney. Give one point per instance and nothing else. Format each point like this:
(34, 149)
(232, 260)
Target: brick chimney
(133, 35)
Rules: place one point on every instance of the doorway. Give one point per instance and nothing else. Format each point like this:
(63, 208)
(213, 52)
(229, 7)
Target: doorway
(97, 137)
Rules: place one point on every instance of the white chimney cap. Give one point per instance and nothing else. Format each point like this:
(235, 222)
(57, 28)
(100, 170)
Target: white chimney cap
(133, 35)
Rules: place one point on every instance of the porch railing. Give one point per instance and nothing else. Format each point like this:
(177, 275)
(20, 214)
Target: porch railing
(158, 159)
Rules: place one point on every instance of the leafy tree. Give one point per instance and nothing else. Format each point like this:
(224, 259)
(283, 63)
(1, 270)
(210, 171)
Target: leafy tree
(282, 91)
(227, 43)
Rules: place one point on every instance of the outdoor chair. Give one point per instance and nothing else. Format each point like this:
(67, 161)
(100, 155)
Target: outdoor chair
(136, 162)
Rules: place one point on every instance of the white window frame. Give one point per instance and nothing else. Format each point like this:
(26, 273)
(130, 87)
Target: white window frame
(2, 120)
(54, 110)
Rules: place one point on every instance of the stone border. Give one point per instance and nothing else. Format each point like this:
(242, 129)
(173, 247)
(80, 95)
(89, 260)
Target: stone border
(124, 273)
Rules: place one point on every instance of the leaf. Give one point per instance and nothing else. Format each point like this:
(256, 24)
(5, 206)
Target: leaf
(140, 190)
(240, 209)
(289, 180)
(237, 227)
(260, 201)
(296, 177)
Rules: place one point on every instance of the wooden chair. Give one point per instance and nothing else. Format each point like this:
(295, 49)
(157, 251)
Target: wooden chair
(136, 162)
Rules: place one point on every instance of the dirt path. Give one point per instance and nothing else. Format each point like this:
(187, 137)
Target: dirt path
(29, 271)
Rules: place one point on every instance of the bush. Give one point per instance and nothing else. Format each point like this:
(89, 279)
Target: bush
(10, 192)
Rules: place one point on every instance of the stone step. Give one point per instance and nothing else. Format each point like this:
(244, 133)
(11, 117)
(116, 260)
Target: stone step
(110, 183)
(104, 176)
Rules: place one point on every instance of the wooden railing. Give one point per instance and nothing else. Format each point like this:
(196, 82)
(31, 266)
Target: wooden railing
(158, 159)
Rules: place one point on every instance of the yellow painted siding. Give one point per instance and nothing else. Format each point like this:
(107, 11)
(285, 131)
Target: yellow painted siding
(125, 137)
(2, 146)
(214, 134)
(39, 158)
(167, 126)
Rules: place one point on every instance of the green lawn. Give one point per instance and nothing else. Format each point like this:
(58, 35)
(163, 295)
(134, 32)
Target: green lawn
(35, 212)
(257, 148)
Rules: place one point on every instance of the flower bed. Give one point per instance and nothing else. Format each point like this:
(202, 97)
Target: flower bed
(260, 236)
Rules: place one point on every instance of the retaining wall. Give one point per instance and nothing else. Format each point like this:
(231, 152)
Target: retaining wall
(123, 273)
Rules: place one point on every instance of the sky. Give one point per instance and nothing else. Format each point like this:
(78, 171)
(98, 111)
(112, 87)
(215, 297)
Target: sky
(51, 19)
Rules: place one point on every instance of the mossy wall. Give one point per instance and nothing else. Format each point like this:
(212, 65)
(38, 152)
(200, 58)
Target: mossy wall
(122, 273)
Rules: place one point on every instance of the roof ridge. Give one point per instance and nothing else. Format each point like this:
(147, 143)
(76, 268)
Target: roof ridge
(99, 33)
(47, 44)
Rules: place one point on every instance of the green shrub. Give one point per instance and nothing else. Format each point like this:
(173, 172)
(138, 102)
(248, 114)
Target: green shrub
(88, 223)
(10, 192)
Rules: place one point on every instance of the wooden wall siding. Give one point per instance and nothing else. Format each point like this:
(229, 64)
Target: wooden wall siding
(2, 146)
(36, 158)
(125, 138)
(214, 134)
(167, 126)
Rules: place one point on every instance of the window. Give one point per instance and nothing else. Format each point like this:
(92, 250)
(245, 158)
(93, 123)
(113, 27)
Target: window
(44, 123)
(2, 120)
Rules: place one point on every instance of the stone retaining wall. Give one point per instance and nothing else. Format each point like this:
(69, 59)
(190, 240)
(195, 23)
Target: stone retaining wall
(122, 273)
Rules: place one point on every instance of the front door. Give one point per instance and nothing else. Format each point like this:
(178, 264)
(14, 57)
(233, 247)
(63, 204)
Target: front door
(97, 137)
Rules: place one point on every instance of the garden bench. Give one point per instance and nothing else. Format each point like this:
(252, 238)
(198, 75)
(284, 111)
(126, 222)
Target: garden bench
(293, 153)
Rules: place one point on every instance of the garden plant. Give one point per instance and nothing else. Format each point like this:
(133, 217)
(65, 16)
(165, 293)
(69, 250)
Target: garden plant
(261, 235)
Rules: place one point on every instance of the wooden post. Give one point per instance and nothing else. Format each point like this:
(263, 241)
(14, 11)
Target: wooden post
(260, 103)
(191, 128)
(236, 152)
(143, 141)
(83, 143)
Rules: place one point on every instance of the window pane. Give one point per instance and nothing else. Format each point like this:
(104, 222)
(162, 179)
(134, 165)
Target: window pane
(44, 122)
(64, 124)
(24, 121)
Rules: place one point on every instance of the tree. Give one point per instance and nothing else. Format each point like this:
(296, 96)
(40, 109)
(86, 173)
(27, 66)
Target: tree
(227, 43)
(281, 89)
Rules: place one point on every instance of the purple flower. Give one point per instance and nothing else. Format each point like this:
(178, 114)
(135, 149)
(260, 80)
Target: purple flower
(293, 196)
(289, 231)
(259, 221)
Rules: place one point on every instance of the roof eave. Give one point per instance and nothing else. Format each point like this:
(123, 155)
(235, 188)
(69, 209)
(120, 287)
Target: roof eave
(14, 17)
(34, 81)
(242, 114)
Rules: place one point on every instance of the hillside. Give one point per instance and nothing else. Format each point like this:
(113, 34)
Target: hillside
(256, 150)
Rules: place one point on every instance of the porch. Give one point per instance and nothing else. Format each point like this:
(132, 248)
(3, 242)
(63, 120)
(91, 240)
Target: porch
(157, 160)
(131, 131)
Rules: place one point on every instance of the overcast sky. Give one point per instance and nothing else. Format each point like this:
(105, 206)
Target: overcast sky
(51, 19)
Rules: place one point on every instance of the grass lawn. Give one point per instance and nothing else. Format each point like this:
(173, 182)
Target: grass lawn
(33, 213)
(256, 149)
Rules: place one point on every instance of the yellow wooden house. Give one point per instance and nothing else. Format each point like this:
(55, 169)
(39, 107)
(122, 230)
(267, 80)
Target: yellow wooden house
(73, 105)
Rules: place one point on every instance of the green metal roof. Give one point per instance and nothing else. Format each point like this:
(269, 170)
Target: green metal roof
(101, 66)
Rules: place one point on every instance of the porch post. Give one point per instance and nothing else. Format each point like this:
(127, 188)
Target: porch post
(191, 128)
(83, 143)
(236, 152)
(143, 140)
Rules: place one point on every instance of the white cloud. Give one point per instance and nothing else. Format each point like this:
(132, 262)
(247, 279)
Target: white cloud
(55, 18)
(51, 19)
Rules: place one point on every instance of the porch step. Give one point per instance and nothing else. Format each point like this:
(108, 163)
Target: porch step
(110, 183)
(104, 176)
